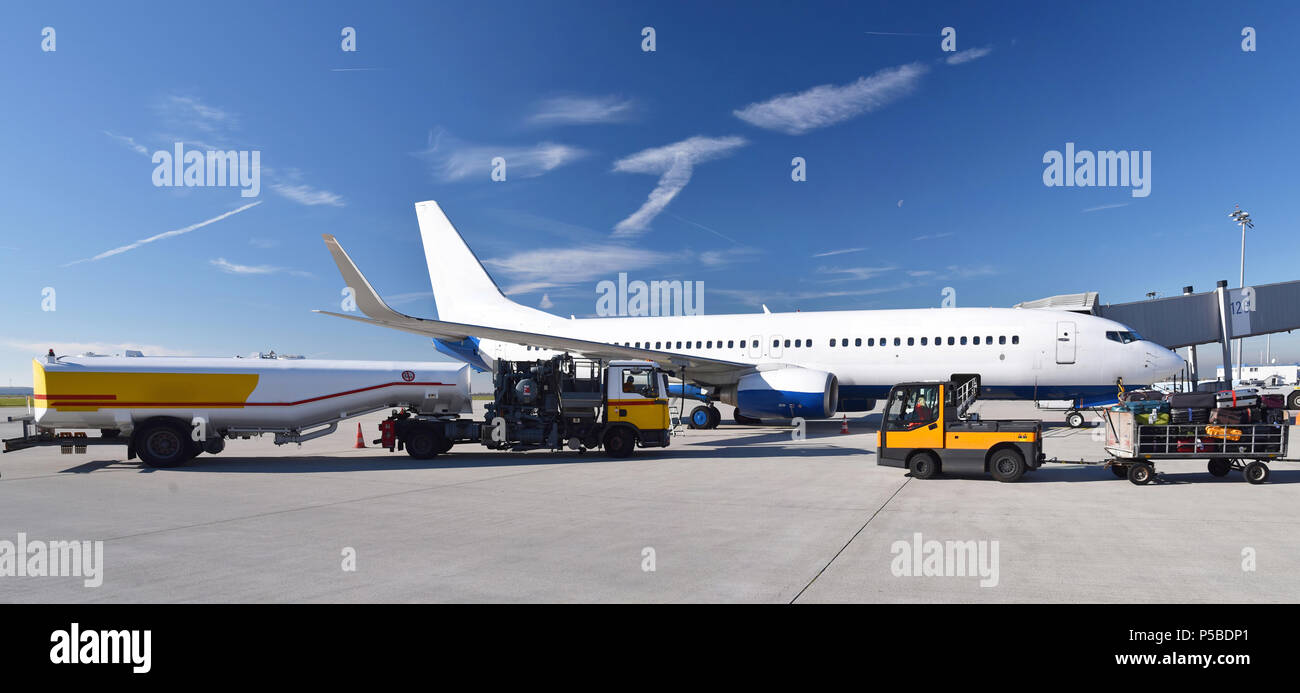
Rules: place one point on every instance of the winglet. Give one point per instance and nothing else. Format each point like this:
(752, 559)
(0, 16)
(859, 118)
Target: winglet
(368, 299)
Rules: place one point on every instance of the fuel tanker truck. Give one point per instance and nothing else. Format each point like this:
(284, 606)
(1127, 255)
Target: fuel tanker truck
(167, 410)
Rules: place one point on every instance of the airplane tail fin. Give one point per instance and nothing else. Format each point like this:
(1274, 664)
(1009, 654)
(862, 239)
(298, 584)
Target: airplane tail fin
(462, 289)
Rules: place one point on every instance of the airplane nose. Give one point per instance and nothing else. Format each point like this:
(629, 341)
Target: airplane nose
(1168, 363)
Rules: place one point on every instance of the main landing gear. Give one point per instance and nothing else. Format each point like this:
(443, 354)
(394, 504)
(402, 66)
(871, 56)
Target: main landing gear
(705, 417)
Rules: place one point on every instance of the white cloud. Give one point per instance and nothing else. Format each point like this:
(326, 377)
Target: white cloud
(166, 234)
(581, 110)
(189, 111)
(307, 195)
(968, 55)
(536, 269)
(674, 163)
(1114, 206)
(828, 104)
(453, 160)
(130, 142)
(546, 302)
(76, 348)
(721, 258)
(231, 268)
(839, 252)
(844, 274)
(755, 297)
(932, 236)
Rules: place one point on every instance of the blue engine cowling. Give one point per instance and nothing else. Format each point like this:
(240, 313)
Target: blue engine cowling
(787, 393)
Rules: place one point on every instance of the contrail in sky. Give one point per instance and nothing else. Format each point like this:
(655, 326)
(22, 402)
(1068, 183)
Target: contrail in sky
(165, 234)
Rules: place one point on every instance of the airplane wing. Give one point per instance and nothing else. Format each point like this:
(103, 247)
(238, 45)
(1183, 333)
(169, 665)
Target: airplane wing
(711, 371)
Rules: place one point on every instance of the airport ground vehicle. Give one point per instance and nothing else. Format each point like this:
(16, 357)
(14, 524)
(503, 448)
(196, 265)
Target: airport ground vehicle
(927, 429)
(1243, 447)
(550, 404)
(168, 410)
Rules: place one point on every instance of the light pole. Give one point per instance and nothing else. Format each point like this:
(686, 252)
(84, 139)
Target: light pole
(1242, 219)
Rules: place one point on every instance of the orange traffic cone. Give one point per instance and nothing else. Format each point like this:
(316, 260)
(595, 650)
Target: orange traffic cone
(844, 427)
(361, 441)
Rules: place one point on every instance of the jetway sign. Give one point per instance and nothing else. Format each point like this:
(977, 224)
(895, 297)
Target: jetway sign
(1241, 304)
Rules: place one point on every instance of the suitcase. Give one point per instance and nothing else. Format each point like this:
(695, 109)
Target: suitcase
(1189, 416)
(1235, 415)
(1232, 434)
(1196, 445)
(1155, 417)
(1143, 406)
(1247, 397)
(1192, 400)
(1273, 401)
(1142, 396)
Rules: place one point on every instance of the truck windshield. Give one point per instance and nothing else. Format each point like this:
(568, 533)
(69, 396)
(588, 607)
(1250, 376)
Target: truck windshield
(640, 381)
(912, 408)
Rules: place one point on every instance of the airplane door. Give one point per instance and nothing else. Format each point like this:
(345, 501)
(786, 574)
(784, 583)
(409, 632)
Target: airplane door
(1065, 342)
(776, 346)
(756, 347)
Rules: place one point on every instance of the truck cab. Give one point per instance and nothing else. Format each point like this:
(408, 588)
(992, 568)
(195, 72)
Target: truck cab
(927, 430)
(636, 397)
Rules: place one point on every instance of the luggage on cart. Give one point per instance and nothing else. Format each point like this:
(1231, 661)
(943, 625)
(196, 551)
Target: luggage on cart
(1145, 406)
(1154, 417)
(1273, 401)
(1198, 415)
(1275, 416)
(1192, 400)
(1196, 445)
(1235, 415)
(1142, 396)
(1232, 399)
(1232, 434)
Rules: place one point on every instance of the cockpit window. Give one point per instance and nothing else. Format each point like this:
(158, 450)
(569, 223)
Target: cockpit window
(1123, 337)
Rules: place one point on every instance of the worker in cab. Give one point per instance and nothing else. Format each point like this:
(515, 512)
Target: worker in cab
(628, 385)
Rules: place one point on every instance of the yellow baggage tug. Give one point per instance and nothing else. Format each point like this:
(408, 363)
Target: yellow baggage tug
(927, 430)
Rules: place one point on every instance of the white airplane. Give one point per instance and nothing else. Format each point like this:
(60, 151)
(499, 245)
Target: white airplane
(780, 365)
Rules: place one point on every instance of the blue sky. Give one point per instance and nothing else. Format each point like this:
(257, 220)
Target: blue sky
(928, 173)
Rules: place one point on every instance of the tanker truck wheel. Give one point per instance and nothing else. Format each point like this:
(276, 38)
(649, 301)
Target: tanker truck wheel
(619, 443)
(422, 443)
(163, 444)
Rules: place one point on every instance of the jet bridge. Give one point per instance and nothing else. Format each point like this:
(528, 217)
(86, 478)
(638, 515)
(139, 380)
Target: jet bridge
(1191, 319)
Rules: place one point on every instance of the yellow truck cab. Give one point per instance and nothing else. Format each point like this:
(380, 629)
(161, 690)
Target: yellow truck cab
(927, 430)
(636, 400)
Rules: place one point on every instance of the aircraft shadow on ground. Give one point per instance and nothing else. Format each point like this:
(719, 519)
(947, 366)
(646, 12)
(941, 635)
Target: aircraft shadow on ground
(401, 461)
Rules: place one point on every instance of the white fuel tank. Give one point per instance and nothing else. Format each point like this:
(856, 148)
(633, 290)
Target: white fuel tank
(261, 393)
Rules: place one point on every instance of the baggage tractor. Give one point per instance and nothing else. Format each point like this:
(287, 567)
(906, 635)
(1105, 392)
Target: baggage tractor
(1192, 400)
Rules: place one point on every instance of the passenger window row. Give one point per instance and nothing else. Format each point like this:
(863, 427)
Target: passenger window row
(925, 341)
(805, 343)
